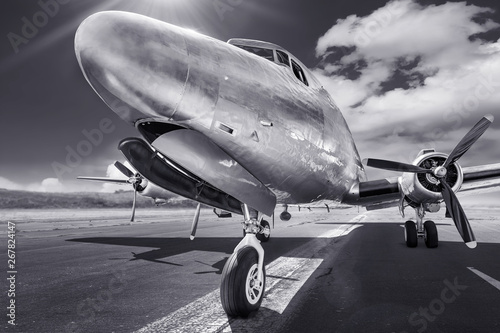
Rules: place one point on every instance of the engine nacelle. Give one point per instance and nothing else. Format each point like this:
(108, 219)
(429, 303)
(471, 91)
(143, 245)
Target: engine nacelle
(424, 187)
(163, 174)
(285, 216)
(158, 194)
(154, 191)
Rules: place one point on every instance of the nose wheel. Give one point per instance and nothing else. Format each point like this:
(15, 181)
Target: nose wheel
(241, 289)
(244, 275)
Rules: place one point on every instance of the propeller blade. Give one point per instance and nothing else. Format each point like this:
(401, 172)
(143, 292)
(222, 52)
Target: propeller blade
(394, 166)
(123, 169)
(133, 204)
(105, 179)
(469, 139)
(194, 226)
(458, 215)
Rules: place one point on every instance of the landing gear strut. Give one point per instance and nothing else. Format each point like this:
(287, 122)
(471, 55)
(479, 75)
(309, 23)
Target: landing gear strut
(426, 230)
(264, 233)
(244, 277)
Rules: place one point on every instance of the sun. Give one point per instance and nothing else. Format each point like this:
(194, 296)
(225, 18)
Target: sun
(192, 14)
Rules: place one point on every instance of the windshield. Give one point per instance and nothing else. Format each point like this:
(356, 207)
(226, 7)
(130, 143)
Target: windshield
(264, 53)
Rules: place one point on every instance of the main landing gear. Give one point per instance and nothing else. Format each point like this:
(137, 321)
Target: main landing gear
(244, 276)
(427, 231)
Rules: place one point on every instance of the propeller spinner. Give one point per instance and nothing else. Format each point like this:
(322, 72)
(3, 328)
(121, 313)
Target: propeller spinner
(454, 207)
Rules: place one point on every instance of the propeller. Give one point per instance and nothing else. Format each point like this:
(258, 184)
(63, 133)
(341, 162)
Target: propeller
(394, 166)
(469, 139)
(135, 179)
(453, 205)
(105, 179)
(458, 215)
(123, 169)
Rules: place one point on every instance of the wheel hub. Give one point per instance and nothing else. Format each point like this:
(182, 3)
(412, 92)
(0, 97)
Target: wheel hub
(266, 232)
(254, 286)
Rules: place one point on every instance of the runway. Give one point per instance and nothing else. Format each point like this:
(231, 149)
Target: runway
(343, 271)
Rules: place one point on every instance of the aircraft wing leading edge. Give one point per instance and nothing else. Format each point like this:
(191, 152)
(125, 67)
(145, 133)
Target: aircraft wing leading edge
(385, 193)
(481, 179)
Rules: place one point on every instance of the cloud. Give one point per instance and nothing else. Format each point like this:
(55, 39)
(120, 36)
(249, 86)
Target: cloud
(9, 185)
(46, 185)
(409, 75)
(56, 185)
(402, 28)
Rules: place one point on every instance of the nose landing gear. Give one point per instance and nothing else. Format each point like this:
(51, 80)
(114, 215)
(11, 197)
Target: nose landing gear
(264, 233)
(244, 277)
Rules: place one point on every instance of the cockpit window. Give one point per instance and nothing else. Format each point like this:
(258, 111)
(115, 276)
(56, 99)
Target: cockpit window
(299, 73)
(282, 57)
(264, 53)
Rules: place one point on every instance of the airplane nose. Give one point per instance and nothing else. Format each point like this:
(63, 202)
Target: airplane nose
(137, 65)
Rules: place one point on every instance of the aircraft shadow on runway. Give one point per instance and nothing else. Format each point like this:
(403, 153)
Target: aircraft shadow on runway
(169, 247)
(389, 235)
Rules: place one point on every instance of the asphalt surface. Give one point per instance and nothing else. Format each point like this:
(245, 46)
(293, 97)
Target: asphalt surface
(346, 271)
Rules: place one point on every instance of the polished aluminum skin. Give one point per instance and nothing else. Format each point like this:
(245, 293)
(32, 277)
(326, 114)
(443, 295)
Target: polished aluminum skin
(288, 135)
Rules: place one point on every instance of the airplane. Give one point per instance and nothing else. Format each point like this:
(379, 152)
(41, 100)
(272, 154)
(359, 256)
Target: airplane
(244, 126)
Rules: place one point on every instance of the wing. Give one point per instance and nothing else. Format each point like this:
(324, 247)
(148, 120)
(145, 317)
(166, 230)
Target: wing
(321, 204)
(384, 193)
(375, 194)
(481, 179)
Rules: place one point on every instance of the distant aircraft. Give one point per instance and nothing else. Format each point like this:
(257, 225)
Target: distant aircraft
(244, 125)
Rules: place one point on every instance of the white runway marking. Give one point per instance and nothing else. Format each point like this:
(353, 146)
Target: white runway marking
(487, 278)
(285, 276)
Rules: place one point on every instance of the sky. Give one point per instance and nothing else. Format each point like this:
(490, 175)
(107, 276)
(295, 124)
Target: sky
(406, 74)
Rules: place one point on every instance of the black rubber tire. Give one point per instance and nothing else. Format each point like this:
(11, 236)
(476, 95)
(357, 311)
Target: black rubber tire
(263, 237)
(234, 299)
(411, 237)
(431, 234)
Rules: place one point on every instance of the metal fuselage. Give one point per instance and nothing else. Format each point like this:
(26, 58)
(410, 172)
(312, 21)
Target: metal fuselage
(289, 135)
